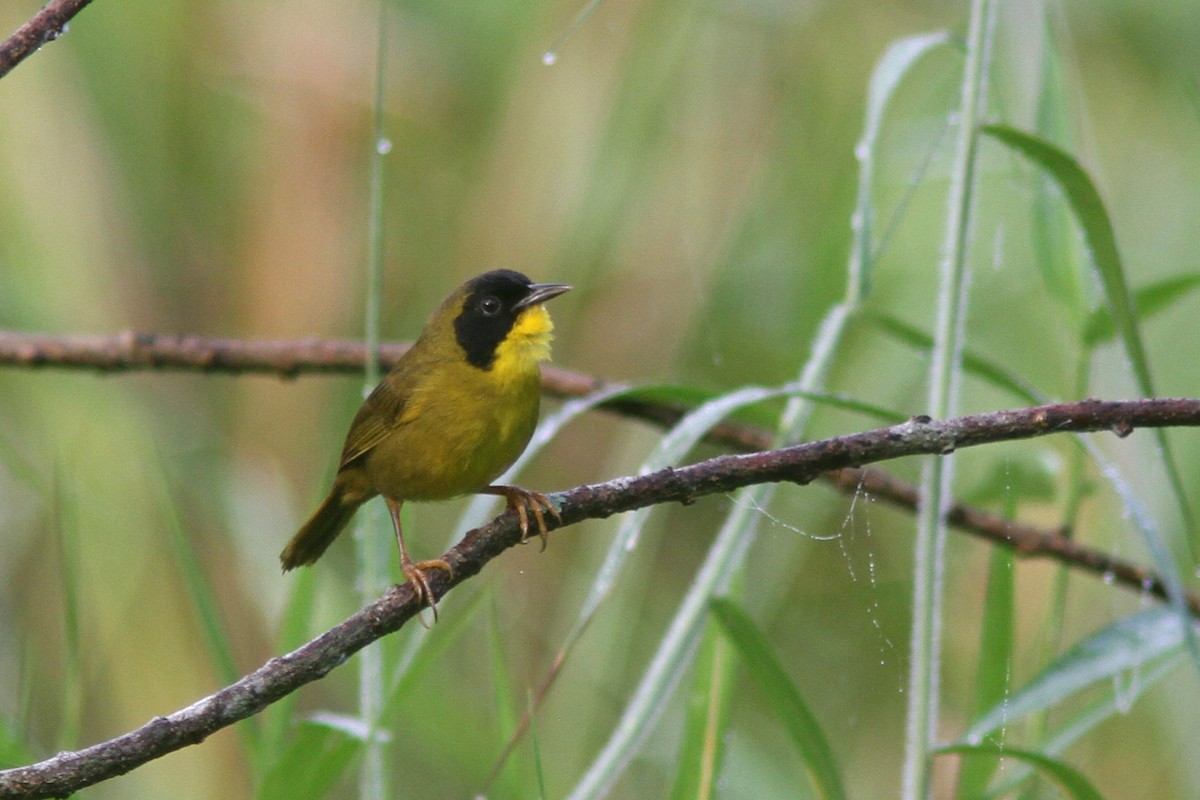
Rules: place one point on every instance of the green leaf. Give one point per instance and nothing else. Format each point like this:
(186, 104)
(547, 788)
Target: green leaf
(1101, 240)
(703, 745)
(1082, 195)
(772, 680)
(995, 660)
(1066, 776)
(1149, 300)
(319, 756)
(1125, 645)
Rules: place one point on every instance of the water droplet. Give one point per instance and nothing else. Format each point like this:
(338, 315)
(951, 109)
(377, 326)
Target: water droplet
(1109, 577)
(549, 58)
(861, 151)
(975, 740)
(383, 146)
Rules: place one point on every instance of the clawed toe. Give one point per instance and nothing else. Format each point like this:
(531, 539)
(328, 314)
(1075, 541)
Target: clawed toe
(416, 575)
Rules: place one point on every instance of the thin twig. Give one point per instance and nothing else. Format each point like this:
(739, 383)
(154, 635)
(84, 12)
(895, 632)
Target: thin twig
(131, 351)
(45, 26)
(71, 771)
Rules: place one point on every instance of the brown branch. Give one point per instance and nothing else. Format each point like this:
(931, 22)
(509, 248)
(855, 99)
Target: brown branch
(45, 26)
(131, 351)
(68, 772)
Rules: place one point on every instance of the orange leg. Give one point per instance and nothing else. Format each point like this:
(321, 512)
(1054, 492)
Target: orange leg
(415, 572)
(523, 501)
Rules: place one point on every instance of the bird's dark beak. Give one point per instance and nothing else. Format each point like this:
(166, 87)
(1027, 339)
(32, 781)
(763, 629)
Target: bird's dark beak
(540, 293)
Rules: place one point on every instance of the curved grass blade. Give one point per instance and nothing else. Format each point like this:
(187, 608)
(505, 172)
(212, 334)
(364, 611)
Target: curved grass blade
(683, 635)
(1101, 240)
(972, 362)
(772, 680)
(1126, 645)
(1066, 776)
(1110, 703)
(889, 72)
(702, 748)
(738, 531)
(319, 756)
(1149, 300)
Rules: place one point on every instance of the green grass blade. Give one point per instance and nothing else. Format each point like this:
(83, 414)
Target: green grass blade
(1127, 644)
(945, 371)
(771, 678)
(407, 675)
(371, 562)
(683, 635)
(1070, 779)
(889, 73)
(995, 661)
(1110, 703)
(690, 398)
(703, 744)
(294, 630)
(1084, 199)
(1058, 256)
(1149, 300)
(1164, 562)
(71, 693)
(1101, 240)
(208, 610)
(503, 699)
(320, 755)
(972, 362)
(13, 752)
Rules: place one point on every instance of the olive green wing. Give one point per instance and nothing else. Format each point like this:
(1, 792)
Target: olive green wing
(384, 410)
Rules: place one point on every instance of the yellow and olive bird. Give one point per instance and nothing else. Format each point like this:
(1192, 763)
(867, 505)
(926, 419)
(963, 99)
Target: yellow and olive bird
(455, 412)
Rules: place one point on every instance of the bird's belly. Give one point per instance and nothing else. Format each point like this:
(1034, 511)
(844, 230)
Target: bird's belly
(438, 456)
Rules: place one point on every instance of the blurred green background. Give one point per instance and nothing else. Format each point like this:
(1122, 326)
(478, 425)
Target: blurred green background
(201, 167)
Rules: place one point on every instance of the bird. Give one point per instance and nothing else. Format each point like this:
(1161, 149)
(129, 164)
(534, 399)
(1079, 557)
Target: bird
(455, 412)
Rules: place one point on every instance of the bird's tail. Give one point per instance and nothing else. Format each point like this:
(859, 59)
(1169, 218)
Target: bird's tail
(321, 529)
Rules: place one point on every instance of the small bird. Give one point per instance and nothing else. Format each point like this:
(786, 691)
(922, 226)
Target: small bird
(457, 410)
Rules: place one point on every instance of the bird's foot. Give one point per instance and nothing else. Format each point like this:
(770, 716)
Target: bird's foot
(523, 501)
(415, 572)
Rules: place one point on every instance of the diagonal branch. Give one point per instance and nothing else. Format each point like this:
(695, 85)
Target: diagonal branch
(45, 26)
(801, 464)
(130, 351)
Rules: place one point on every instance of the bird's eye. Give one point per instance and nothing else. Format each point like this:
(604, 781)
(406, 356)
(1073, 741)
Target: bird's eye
(490, 305)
